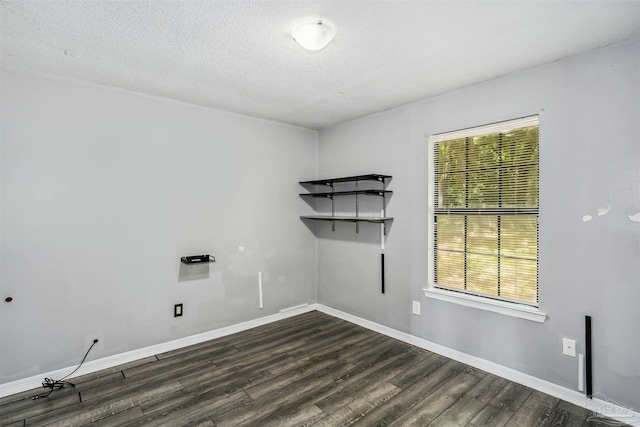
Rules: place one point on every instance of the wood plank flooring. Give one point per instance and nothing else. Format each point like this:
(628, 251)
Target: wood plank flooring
(308, 370)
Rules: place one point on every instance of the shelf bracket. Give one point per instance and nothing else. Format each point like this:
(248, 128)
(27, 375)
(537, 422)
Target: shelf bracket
(357, 209)
(333, 208)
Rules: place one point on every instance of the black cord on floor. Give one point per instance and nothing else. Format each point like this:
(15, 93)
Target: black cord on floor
(57, 384)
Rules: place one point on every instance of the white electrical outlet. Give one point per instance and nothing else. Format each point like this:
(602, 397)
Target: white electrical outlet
(416, 308)
(569, 347)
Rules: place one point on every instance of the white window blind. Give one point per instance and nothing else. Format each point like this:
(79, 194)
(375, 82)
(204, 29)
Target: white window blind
(485, 211)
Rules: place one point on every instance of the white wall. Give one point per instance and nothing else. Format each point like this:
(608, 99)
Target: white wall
(104, 190)
(590, 157)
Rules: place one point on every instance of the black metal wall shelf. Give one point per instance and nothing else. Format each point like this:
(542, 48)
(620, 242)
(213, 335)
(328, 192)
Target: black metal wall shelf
(330, 194)
(197, 259)
(382, 192)
(374, 220)
(331, 181)
(383, 220)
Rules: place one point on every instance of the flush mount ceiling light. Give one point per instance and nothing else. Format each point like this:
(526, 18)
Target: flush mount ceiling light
(313, 35)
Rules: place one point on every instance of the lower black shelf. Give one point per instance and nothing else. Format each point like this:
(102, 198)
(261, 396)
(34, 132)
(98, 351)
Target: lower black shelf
(375, 220)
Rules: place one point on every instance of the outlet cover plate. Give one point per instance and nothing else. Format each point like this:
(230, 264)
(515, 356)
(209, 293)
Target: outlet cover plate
(416, 308)
(569, 347)
(177, 310)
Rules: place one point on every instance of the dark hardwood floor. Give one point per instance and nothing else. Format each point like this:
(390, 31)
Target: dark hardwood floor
(308, 370)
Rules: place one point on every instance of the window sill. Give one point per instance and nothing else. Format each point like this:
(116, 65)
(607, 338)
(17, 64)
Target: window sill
(501, 307)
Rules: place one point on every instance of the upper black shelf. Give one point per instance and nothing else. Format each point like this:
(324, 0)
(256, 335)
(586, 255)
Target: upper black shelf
(331, 181)
(331, 194)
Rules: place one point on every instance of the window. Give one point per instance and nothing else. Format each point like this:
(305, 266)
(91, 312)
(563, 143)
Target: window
(483, 194)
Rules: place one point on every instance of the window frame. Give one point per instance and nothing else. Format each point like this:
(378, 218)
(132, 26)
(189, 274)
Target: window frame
(514, 309)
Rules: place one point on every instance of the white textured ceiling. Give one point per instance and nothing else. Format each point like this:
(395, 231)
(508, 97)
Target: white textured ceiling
(239, 56)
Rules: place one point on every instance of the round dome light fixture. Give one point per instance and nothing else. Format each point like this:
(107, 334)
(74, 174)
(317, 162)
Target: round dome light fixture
(313, 35)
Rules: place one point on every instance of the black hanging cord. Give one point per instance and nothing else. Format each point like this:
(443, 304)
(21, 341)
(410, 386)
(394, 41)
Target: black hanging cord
(57, 384)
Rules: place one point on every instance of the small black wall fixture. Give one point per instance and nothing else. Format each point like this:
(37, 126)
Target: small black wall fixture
(197, 259)
(587, 328)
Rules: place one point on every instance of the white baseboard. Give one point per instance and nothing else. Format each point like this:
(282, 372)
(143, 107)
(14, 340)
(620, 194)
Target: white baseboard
(35, 381)
(600, 406)
(294, 308)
